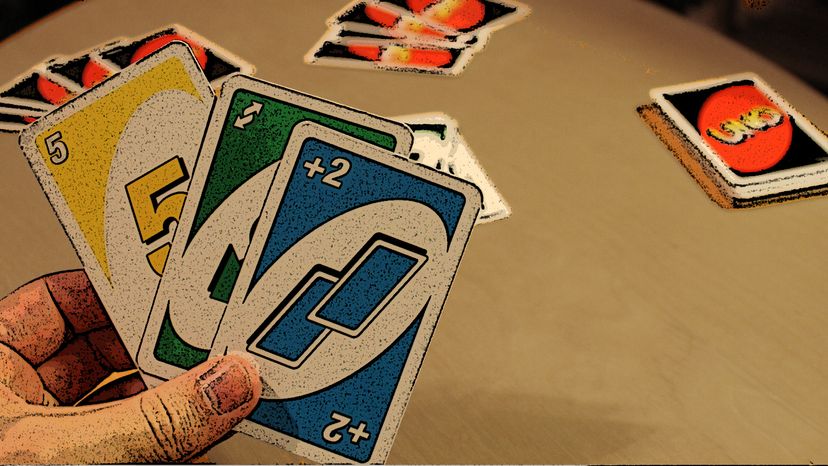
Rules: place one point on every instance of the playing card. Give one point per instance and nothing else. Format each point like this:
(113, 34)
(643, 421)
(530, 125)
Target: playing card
(14, 118)
(367, 16)
(751, 142)
(246, 138)
(38, 89)
(435, 138)
(463, 164)
(438, 144)
(465, 16)
(334, 49)
(338, 297)
(216, 62)
(115, 163)
(85, 70)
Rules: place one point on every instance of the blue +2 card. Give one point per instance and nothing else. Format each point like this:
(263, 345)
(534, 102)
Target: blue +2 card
(345, 279)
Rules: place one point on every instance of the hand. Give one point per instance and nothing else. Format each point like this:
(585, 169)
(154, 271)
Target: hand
(56, 344)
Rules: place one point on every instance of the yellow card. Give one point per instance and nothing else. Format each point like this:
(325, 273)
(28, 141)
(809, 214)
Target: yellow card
(115, 164)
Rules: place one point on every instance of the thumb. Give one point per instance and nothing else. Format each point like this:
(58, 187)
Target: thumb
(171, 422)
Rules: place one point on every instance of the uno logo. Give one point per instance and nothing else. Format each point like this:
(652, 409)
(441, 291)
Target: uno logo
(737, 131)
(748, 131)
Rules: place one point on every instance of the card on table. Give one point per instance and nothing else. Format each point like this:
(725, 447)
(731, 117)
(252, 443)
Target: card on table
(338, 50)
(341, 289)
(465, 16)
(247, 136)
(744, 144)
(115, 163)
(372, 17)
(60, 79)
(86, 69)
(438, 144)
(37, 89)
(14, 118)
(217, 63)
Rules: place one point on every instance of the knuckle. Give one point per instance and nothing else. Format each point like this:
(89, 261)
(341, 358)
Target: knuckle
(164, 428)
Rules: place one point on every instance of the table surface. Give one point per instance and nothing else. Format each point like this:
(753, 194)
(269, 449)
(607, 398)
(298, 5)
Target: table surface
(618, 315)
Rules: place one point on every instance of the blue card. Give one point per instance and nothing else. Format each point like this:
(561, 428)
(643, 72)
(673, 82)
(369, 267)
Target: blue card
(345, 279)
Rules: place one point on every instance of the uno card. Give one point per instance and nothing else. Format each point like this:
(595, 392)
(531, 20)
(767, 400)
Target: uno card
(380, 36)
(115, 163)
(465, 16)
(435, 138)
(37, 89)
(367, 16)
(438, 144)
(86, 70)
(216, 62)
(463, 164)
(14, 118)
(334, 49)
(342, 287)
(247, 137)
(751, 142)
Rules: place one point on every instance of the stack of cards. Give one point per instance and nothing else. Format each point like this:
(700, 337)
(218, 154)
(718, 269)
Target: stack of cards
(427, 36)
(59, 79)
(740, 140)
(304, 233)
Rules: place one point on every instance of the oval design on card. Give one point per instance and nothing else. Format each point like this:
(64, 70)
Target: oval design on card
(335, 353)
(748, 131)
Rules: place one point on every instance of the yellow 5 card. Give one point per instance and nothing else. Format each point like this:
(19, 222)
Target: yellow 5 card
(115, 164)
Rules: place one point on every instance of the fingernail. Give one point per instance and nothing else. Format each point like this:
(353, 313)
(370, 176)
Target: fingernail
(228, 385)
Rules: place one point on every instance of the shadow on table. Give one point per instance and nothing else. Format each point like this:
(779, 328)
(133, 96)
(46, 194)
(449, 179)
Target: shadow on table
(468, 428)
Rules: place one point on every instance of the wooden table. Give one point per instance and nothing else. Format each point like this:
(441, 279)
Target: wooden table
(618, 315)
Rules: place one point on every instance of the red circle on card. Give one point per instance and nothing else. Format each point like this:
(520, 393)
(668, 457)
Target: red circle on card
(748, 131)
(459, 14)
(159, 42)
(52, 92)
(93, 73)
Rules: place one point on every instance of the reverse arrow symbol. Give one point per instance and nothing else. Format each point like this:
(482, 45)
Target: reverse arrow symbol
(249, 113)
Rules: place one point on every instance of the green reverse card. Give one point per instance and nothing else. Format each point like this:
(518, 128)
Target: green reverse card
(248, 133)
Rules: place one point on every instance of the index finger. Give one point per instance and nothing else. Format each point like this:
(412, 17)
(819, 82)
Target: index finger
(40, 316)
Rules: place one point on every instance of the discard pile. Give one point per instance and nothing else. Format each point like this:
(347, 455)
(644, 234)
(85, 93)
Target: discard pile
(427, 36)
(317, 238)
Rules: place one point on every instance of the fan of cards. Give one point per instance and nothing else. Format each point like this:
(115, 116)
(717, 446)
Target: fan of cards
(319, 239)
(61, 78)
(426, 36)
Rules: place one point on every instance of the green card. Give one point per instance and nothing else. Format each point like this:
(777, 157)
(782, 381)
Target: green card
(248, 133)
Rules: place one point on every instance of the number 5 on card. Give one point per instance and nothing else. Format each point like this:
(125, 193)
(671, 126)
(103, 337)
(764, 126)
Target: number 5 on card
(115, 164)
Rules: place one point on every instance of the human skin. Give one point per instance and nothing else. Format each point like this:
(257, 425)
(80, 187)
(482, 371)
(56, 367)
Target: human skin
(57, 344)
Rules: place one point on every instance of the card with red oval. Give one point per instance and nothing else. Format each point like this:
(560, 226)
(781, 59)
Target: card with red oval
(61, 78)
(747, 137)
(367, 16)
(87, 69)
(464, 16)
(14, 118)
(364, 51)
(37, 89)
(217, 63)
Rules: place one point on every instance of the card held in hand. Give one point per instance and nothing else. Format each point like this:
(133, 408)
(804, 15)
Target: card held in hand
(339, 294)
(115, 163)
(247, 136)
